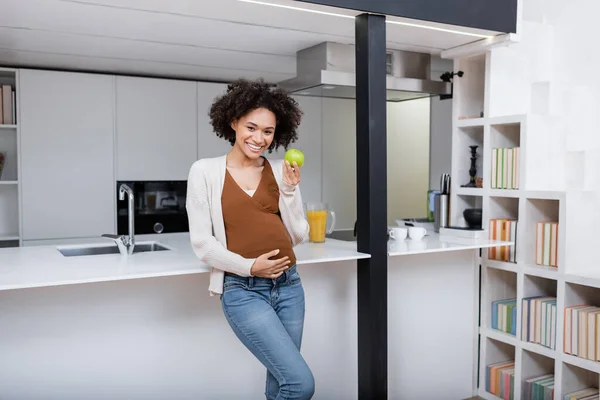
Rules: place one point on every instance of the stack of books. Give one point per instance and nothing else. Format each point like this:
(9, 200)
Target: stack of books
(504, 315)
(546, 244)
(582, 339)
(8, 111)
(503, 229)
(538, 321)
(505, 168)
(500, 379)
(584, 394)
(540, 388)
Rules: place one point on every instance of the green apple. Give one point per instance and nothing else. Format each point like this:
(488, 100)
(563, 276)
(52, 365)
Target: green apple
(294, 155)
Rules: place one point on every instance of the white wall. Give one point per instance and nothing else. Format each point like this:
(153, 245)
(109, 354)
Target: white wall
(309, 141)
(440, 152)
(408, 159)
(543, 76)
(339, 159)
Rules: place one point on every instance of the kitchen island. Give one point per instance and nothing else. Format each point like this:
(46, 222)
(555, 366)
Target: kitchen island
(433, 316)
(144, 327)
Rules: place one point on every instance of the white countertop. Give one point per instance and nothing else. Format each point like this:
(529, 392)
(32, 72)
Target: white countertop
(39, 266)
(434, 243)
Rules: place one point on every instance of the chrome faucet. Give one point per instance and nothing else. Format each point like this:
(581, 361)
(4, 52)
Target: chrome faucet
(126, 243)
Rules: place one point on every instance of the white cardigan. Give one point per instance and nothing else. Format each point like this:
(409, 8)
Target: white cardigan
(207, 229)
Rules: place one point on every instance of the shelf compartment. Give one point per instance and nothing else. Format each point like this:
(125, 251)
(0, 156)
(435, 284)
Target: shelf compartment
(541, 211)
(9, 210)
(471, 122)
(470, 88)
(9, 237)
(539, 312)
(539, 349)
(466, 137)
(501, 265)
(499, 366)
(461, 203)
(468, 191)
(581, 320)
(8, 146)
(487, 396)
(504, 207)
(537, 370)
(581, 363)
(504, 193)
(9, 77)
(9, 243)
(589, 279)
(503, 224)
(497, 285)
(575, 379)
(541, 271)
(499, 336)
(505, 160)
(505, 135)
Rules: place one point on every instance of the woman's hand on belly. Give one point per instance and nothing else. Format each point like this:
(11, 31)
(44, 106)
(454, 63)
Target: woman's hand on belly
(270, 269)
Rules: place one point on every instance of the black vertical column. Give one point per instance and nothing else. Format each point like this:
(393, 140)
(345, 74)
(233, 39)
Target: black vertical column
(371, 185)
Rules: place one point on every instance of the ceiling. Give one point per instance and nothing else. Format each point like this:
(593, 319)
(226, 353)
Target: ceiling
(218, 40)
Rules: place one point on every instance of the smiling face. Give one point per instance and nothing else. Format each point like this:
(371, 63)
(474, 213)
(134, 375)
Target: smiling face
(254, 132)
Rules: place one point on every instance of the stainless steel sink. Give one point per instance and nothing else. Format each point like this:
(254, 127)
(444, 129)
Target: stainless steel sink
(100, 250)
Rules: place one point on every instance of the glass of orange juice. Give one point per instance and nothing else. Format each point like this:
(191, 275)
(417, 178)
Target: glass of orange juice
(316, 214)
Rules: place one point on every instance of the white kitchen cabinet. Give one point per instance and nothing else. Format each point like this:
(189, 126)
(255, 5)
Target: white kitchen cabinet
(209, 145)
(67, 131)
(156, 128)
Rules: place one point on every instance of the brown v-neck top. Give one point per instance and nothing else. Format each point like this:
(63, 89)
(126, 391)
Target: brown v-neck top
(253, 224)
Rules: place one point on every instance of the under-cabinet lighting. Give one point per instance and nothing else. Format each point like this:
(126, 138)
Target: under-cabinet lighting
(435, 28)
(265, 3)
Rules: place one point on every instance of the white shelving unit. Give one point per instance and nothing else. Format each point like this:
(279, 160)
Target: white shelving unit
(9, 179)
(576, 280)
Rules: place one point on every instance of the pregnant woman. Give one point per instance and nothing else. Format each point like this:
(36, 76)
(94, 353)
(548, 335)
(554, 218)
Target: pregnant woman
(245, 216)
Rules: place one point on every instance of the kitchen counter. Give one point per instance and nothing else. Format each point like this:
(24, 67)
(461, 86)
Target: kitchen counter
(434, 243)
(39, 266)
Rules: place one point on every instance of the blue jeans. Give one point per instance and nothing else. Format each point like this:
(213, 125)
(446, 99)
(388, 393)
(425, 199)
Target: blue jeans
(267, 315)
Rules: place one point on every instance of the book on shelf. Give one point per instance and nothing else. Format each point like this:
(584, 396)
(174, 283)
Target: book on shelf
(505, 168)
(583, 394)
(546, 244)
(582, 338)
(500, 379)
(504, 315)
(541, 387)
(538, 320)
(503, 229)
(8, 112)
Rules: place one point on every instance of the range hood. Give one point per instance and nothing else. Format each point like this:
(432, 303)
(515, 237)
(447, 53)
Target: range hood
(328, 70)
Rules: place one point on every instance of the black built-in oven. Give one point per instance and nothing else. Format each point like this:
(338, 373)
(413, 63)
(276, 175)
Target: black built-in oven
(159, 207)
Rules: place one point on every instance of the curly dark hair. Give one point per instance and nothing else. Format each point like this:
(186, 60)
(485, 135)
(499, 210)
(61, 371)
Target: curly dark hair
(244, 96)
